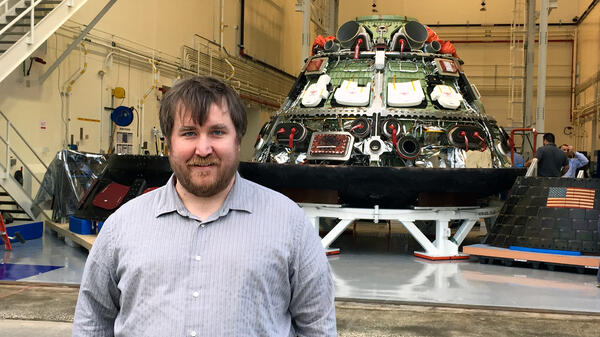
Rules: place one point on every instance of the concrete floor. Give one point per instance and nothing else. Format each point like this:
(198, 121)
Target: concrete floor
(40, 310)
(379, 291)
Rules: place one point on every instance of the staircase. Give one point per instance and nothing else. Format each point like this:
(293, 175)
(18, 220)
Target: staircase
(8, 206)
(26, 24)
(17, 196)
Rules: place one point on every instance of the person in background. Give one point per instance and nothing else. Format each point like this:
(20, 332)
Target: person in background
(576, 160)
(518, 158)
(552, 162)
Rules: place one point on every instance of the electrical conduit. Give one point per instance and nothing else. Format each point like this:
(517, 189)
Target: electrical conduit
(67, 87)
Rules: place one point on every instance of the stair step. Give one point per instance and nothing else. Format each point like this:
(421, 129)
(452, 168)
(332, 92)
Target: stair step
(12, 17)
(17, 25)
(23, 219)
(7, 42)
(20, 211)
(20, 10)
(13, 34)
(8, 202)
(4, 194)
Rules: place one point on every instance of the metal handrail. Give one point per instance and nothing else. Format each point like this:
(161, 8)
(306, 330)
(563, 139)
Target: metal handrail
(532, 170)
(20, 16)
(10, 150)
(22, 161)
(24, 141)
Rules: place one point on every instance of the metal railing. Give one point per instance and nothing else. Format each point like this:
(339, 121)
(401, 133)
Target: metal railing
(532, 170)
(29, 10)
(10, 151)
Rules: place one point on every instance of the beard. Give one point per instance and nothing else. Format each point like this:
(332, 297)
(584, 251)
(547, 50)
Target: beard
(186, 176)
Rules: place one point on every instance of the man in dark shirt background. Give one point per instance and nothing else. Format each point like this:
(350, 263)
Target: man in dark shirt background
(552, 162)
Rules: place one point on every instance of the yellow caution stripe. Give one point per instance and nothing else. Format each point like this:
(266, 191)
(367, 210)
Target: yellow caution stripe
(88, 119)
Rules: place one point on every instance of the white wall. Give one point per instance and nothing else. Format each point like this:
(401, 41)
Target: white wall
(588, 65)
(161, 28)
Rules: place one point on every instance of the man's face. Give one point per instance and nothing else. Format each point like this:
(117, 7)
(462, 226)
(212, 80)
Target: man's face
(567, 151)
(204, 157)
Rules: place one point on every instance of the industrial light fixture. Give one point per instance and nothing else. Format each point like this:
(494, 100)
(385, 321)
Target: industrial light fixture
(374, 5)
(483, 9)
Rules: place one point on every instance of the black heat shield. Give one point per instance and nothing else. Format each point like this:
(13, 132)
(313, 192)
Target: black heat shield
(389, 187)
(355, 185)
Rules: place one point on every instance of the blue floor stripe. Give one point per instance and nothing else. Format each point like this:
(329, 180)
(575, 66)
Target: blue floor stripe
(14, 272)
(545, 251)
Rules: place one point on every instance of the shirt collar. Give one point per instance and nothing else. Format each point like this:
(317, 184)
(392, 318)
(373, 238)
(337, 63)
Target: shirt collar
(239, 198)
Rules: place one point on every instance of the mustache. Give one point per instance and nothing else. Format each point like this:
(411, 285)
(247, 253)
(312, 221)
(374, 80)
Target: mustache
(203, 161)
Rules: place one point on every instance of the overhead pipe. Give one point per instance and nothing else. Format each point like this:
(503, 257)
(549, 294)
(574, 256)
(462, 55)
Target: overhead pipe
(540, 117)
(222, 24)
(504, 41)
(175, 67)
(156, 77)
(68, 85)
(66, 89)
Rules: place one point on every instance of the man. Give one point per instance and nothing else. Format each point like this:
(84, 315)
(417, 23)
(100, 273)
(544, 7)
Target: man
(209, 253)
(518, 161)
(552, 162)
(576, 160)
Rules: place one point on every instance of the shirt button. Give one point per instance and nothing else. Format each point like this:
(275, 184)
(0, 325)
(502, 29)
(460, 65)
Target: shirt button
(202, 226)
(197, 258)
(192, 333)
(196, 294)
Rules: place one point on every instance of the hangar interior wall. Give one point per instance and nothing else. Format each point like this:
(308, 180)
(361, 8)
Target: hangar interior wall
(272, 33)
(586, 91)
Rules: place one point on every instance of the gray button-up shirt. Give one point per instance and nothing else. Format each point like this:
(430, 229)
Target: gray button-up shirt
(551, 160)
(254, 268)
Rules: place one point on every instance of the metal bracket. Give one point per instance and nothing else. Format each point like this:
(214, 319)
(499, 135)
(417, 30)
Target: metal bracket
(444, 246)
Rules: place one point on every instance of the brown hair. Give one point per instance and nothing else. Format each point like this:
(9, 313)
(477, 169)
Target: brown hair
(197, 94)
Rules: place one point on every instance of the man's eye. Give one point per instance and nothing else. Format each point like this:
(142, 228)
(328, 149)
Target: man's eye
(189, 134)
(218, 132)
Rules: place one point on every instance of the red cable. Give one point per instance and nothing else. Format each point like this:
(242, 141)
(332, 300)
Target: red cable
(291, 140)
(357, 126)
(483, 143)
(401, 46)
(394, 137)
(357, 48)
(464, 134)
(282, 130)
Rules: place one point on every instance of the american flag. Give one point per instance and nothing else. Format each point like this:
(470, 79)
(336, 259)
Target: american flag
(571, 197)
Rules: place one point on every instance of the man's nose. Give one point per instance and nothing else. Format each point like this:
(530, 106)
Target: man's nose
(204, 146)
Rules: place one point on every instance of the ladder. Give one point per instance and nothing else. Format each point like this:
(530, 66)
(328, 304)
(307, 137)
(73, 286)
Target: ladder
(5, 238)
(516, 66)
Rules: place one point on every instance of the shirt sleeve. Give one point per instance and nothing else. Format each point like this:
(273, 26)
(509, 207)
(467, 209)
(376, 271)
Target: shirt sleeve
(98, 300)
(581, 160)
(538, 153)
(312, 299)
